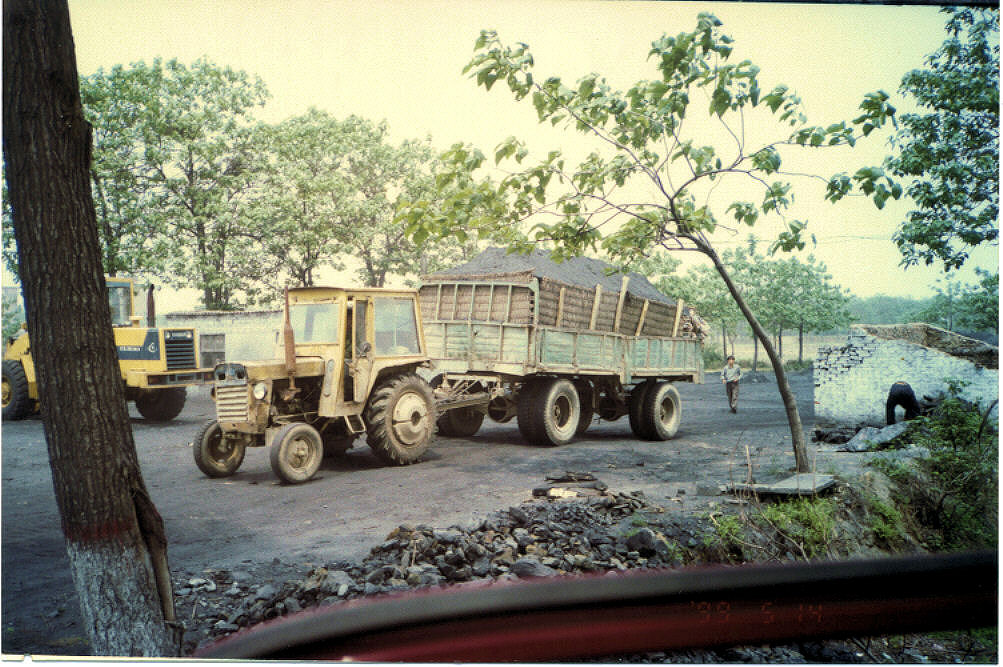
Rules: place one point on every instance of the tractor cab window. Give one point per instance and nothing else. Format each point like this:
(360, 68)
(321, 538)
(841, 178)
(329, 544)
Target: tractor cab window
(314, 322)
(120, 301)
(396, 331)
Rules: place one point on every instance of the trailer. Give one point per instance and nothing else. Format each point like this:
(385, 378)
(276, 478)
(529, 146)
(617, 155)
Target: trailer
(532, 342)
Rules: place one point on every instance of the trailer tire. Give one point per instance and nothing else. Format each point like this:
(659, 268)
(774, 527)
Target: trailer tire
(635, 408)
(161, 405)
(662, 411)
(525, 400)
(296, 452)
(17, 404)
(212, 455)
(460, 423)
(554, 413)
(400, 419)
(585, 401)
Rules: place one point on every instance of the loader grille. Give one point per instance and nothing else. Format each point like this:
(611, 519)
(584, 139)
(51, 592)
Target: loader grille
(231, 402)
(179, 346)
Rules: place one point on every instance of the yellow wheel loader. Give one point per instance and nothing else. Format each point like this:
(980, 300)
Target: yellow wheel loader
(157, 365)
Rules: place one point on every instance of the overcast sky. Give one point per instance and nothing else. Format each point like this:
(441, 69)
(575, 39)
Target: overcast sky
(402, 61)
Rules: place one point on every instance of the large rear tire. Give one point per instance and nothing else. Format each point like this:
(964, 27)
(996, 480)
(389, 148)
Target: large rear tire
(296, 452)
(635, 407)
(400, 419)
(662, 411)
(215, 455)
(17, 404)
(554, 413)
(161, 405)
(460, 423)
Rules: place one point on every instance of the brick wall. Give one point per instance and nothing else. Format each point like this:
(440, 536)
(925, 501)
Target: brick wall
(852, 380)
(248, 336)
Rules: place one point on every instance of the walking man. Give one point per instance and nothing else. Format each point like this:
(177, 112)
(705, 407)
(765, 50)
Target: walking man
(730, 376)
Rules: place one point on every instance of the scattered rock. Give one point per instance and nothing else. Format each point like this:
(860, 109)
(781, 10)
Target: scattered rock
(531, 567)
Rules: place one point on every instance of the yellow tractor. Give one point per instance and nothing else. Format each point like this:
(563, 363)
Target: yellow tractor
(157, 365)
(346, 367)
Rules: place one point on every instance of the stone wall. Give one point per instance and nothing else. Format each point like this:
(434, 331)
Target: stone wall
(852, 380)
(247, 336)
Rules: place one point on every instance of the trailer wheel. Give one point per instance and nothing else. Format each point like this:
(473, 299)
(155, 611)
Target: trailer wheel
(296, 452)
(585, 401)
(215, 455)
(662, 411)
(400, 419)
(461, 422)
(635, 407)
(17, 404)
(526, 399)
(554, 413)
(161, 405)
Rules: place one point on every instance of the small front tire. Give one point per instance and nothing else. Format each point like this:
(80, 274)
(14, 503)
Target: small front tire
(215, 455)
(296, 452)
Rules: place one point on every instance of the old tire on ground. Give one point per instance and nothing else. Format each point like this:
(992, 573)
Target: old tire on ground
(461, 422)
(585, 400)
(400, 419)
(17, 404)
(214, 455)
(296, 452)
(662, 411)
(336, 445)
(635, 406)
(161, 405)
(554, 413)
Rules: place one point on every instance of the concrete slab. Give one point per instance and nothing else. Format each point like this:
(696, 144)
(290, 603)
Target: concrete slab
(802, 484)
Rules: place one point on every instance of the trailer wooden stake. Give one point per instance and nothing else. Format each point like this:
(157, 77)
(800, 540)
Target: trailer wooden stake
(619, 304)
(675, 324)
(595, 307)
(640, 321)
(560, 307)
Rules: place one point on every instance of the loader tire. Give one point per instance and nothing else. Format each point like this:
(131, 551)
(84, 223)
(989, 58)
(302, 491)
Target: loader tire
(17, 404)
(400, 419)
(662, 411)
(635, 407)
(216, 456)
(296, 452)
(161, 405)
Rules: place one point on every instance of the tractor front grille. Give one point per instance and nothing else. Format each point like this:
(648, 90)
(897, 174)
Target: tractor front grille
(231, 402)
(179, 346)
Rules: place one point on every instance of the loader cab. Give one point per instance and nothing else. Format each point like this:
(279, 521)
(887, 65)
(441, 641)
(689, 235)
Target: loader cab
(120, 299)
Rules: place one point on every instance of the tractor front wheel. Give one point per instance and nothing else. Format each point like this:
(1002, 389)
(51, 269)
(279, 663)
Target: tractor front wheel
(215, 455)
(296, 452)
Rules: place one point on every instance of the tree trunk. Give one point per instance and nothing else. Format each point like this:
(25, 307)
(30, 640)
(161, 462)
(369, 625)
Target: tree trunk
(724, 341)
(755, 352)
(801, 343)
(790, 402)
(114, 537)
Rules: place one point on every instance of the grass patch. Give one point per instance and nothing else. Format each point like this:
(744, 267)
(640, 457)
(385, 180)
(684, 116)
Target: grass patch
(808, 524)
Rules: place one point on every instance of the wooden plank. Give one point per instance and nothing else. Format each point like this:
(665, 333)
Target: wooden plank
(675, 323)
(802, 484)
(595, 306)
(640, 321)
(619, 303)
(560, 308)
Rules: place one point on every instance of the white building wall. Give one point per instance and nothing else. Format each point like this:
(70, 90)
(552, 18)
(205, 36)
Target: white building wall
(852, 380)
(249, 336)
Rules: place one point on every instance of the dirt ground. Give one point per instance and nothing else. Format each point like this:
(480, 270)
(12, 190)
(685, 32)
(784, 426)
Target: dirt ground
(274, 532)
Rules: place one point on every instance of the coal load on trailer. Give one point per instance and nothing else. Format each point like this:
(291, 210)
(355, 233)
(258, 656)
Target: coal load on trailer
(574, 337)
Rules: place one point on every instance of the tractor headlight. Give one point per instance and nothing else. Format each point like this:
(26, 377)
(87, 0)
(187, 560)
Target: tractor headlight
(260, 391)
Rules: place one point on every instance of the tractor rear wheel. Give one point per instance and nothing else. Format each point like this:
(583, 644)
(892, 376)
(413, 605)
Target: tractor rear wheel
(215, 455)
(161, 405)
(296, 452)
(400, 419)
(17, 404)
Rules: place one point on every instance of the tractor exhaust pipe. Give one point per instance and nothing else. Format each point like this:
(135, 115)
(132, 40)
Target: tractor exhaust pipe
(290, 344)
(151, 308)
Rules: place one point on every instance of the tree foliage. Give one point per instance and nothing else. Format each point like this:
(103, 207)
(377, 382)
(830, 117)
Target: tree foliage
(949, 152)
(964, 307)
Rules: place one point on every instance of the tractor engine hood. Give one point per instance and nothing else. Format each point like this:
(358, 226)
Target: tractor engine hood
(271, 369)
